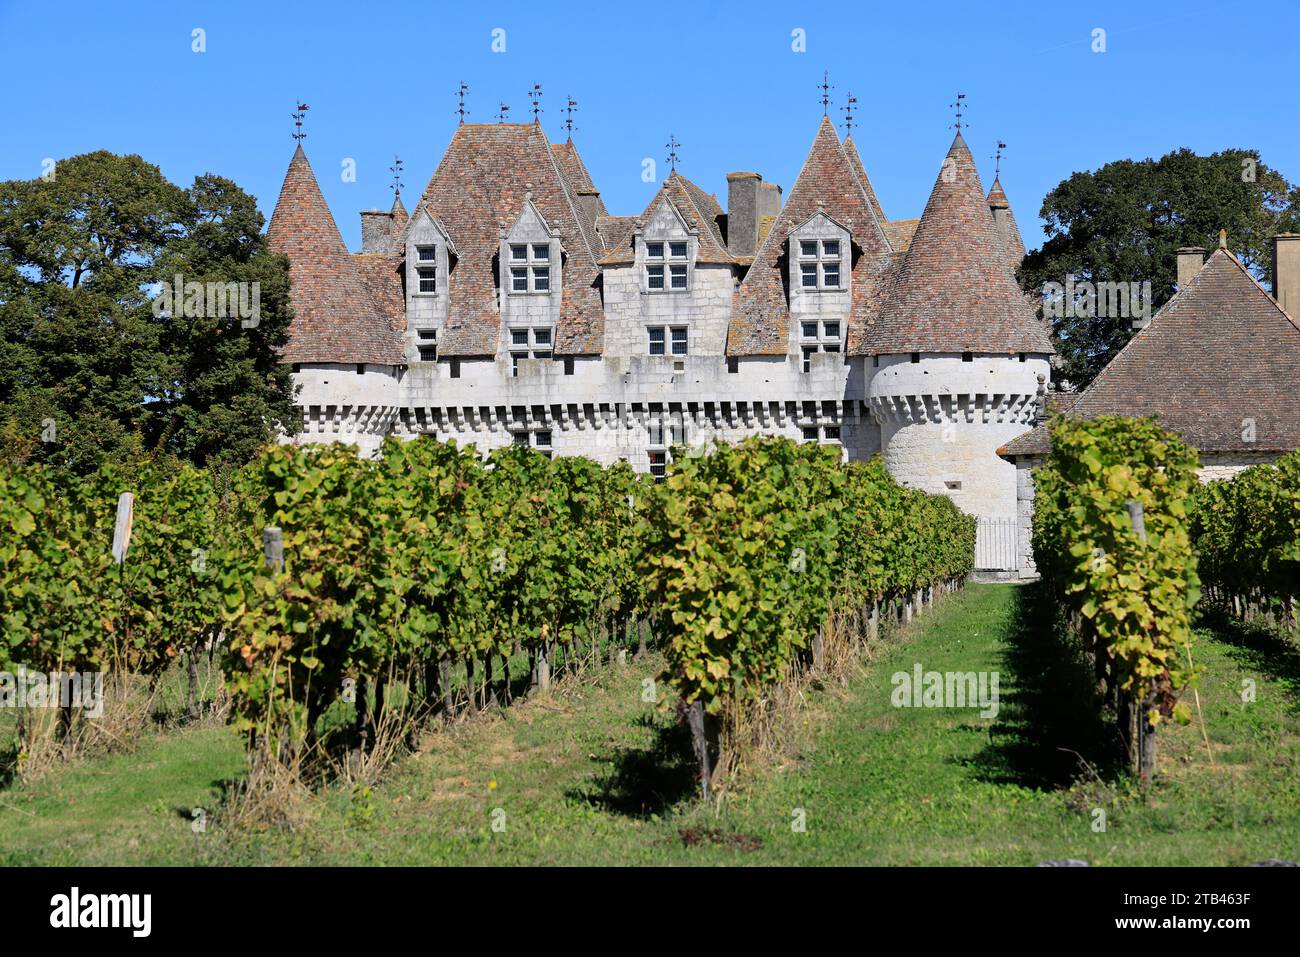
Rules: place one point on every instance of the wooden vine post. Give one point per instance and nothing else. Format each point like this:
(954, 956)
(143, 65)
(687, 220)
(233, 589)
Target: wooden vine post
(1146, 732)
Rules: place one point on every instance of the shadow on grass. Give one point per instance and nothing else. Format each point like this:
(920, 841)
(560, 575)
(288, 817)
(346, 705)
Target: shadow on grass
(646, 781)
(1051, 722)
(1257, 646)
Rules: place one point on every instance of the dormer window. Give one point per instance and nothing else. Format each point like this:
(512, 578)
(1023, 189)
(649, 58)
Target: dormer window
(530, 269)
(666, 265)
(819, 264)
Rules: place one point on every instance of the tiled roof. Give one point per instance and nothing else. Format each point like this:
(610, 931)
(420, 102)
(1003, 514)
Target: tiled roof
(382, 276)
(700, 210)
(477, 190)
(1219, 360)
(900, 233)
(955, 291)
(335, 318)
(582, 191)
(616, 232)
(760, 314)
(851, 150)
(997, 199)
(571, 165)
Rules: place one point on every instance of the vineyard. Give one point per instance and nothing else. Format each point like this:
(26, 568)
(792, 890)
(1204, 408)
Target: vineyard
(1124, 535)
(352, 601)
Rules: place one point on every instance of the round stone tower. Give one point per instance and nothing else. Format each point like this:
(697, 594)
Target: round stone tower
(959, 355)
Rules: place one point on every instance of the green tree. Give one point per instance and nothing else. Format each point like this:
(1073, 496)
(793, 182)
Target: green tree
(1126, 221)
(82, 344)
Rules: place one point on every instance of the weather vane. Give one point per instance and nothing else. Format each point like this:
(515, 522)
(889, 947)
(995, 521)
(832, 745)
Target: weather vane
(958, 107)
(502, 113)
(535, 94)
(396, 170)
(672, 145)
(997, 159)
(460, 99)
(297, 121)
(848, 113)
(825, 87)
(570, 107)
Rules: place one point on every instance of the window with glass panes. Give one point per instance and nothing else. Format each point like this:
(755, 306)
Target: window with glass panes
(666, 264)
(529, 343)
(530, 268)
(820, 262)
(818, 335)
(426, 341)
(665, 340)
(426, 269)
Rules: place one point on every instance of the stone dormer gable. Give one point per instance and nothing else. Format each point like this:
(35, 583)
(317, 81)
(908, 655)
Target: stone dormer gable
(666, 247)
(531, 255)
(428, 255)
(819, 252)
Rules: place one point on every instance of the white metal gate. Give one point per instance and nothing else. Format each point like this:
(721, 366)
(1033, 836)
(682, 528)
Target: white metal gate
(995, 545)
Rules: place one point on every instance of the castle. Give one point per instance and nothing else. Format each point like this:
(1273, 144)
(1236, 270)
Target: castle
(509, 306)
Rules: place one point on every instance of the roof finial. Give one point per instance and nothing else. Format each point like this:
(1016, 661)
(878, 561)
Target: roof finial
(502, 113)
(997, 164)
(570, 107)
(396, 170)
(535, 94)
(1223, 239)
(297, 121)
(851, 102)
(672, 145)
(460, 99)
(825, 87)
(958, 108)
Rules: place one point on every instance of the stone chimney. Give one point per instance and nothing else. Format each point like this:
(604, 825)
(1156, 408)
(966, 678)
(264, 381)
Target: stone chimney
(376, 231)
(769, 208)
(1286, 272)
(589, 203)
(742, 212)
(1190, 261)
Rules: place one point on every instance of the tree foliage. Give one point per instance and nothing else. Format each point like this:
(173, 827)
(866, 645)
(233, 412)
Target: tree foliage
(1126, 221)
(81, 345)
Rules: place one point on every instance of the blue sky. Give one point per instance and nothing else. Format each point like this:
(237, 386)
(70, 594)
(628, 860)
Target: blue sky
(722, 77)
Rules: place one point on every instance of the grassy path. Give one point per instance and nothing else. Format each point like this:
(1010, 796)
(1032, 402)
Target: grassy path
(593, 774)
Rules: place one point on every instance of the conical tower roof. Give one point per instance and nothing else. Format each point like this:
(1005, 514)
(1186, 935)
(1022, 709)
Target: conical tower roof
(1015, 246)
(335, 319)
(955, 291)
(399, 214)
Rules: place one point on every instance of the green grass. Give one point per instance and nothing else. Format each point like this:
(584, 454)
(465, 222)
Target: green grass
(592, 774)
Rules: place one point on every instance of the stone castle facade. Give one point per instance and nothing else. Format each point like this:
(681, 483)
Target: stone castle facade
(509, 306)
